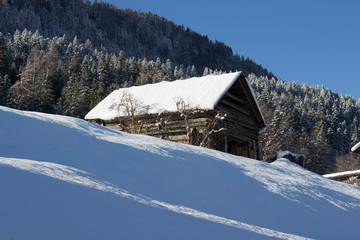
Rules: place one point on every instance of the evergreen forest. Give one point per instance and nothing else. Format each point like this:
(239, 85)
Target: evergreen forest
(65, 56)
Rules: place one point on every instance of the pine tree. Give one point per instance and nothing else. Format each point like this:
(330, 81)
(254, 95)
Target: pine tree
(103, 71)
(145, 74)
(5, 85)
(279, 135)
(52, 67)
(320, 158)
(120, 71)
(134, 70)
(179, 72)
(193, 72)
(34, 91)
(303, 142)
(68, 103)
(355, 132)
(2, 60)
(96, 94)
(167, 71)
(158, 74)
(206, 71)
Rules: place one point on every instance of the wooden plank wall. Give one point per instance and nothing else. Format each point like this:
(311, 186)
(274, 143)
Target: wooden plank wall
(170, 126)
(237, 127)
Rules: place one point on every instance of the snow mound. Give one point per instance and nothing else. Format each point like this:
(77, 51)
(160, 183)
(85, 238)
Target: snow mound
(65, 178)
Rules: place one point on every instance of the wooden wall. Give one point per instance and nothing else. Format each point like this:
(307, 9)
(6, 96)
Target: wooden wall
(238, 136)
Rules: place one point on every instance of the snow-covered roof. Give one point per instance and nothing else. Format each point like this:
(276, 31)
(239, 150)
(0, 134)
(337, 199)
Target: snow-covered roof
(342, 174)
(199, 92)
(356, 148)
(282, 154)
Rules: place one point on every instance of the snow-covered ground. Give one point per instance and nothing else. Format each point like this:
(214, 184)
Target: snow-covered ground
(65, 178)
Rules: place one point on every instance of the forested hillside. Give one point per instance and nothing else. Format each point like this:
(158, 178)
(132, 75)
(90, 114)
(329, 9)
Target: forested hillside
(309, 120)
(65, 56)
(68, 77)
(137, 34)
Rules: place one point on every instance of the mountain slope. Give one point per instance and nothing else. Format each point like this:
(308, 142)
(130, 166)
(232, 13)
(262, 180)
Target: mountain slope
(65, 178)
(135, 33)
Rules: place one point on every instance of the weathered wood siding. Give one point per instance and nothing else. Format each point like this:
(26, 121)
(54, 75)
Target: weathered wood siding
(170, 126)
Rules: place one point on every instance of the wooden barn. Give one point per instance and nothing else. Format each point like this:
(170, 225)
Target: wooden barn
(215, 111)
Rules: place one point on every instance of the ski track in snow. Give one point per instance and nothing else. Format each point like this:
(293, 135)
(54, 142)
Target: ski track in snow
(76, 176)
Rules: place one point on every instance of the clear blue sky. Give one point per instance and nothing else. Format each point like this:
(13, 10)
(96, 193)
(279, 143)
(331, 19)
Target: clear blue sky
(310, 41)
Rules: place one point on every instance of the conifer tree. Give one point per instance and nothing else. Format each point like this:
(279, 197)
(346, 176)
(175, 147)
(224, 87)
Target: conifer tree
(158, 74)
(303, 142)
(134, 70)
(193, 72)
(34, 90)
(70, 92)
(320, 158)
(120, 71)
(167, 71)
(279, 135)
(5, 85)
(103, 71)
(2, 60)
(52, 68)
(206, 71)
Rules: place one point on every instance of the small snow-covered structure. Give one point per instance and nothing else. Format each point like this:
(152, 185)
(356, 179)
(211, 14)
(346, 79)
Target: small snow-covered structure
(292, 157)
(217, 111)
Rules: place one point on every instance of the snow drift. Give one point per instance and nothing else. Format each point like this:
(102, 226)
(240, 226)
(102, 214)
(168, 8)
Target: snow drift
(65, 178)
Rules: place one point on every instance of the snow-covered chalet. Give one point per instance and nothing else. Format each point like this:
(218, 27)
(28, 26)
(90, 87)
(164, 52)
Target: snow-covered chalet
(215, 111)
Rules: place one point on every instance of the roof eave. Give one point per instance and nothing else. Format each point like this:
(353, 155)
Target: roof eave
(356, 148)
(226, 90)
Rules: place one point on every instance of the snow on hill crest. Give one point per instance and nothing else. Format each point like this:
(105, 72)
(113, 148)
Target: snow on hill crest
(65, 178)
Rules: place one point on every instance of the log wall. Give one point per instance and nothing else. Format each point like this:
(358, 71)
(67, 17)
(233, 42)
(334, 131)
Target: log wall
(238, 134)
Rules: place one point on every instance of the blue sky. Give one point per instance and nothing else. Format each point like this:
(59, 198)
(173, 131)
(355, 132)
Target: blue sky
(311, 41)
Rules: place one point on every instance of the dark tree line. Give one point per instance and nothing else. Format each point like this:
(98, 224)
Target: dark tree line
(136, 34)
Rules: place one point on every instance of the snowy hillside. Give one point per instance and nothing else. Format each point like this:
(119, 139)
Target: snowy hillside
(65, 178)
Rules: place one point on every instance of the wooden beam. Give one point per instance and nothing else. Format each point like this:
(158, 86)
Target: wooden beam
(236, 114)
(238, 121)
(240, 109)
(242, 138)
(239, 100)
(238, 131)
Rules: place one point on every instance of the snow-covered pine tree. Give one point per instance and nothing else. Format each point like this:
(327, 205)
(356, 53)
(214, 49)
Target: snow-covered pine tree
(320, 157)
(34, 90)
(3, 64)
